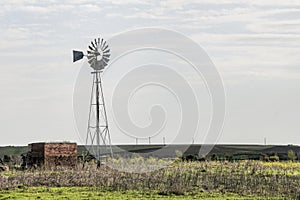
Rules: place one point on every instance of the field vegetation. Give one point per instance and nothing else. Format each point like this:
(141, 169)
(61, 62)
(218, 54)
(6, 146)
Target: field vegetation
(179, 179)
(95, 193)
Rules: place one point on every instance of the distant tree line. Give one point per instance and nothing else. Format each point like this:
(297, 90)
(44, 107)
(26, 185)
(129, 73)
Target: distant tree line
(269, 157)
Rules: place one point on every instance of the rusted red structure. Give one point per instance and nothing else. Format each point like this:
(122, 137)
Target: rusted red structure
(51, 155)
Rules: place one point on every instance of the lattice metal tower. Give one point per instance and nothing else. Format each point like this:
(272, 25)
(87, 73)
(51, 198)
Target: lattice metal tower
(98, 141)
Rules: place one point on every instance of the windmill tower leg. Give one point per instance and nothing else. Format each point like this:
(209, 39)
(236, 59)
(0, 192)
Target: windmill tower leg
(98, 137)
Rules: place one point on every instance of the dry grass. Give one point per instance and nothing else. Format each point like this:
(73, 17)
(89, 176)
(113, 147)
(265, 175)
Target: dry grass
(244, 178)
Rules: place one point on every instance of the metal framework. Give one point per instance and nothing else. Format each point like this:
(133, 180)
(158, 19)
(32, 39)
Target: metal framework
(98, 140)
(98, 137)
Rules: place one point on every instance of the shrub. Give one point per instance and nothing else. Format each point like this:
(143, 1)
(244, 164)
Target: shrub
(274, 158)
(291, 155)
(6, 159)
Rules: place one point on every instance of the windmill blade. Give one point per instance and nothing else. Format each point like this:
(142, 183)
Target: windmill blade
(96, 43)
(94, 53)
(104, 44)
(91, 57)
(93, 45)
(93, 65)
(104, 63)
(101, 42)
(91, 52)
(106, 55)
(108, 50)
(92, 60)
(105, 59)
(91, 48)
(105, 48)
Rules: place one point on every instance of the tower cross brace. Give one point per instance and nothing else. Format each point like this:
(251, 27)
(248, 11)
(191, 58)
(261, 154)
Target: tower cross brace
(98, 139)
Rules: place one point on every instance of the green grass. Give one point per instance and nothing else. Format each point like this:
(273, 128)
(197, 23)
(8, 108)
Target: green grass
(94, 193)
(196, 180)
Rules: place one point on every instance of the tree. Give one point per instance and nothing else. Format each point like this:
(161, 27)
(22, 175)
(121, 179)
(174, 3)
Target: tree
(291, 155)
(6, 159)
(214, 157)
(298, 155)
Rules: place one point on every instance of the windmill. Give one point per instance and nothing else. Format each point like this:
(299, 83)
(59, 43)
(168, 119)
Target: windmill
(97, 139)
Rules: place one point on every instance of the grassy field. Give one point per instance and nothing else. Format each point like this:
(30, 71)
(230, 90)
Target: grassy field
(178, 180)
(95, 193)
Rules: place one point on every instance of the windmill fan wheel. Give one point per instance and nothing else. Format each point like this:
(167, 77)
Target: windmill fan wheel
(98, 54)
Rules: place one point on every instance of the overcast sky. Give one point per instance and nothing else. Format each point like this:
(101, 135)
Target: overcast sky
(255, 45)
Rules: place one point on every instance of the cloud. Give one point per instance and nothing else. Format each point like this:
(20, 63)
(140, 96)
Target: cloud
(248, 41)
(235, 32)
(278, 26)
